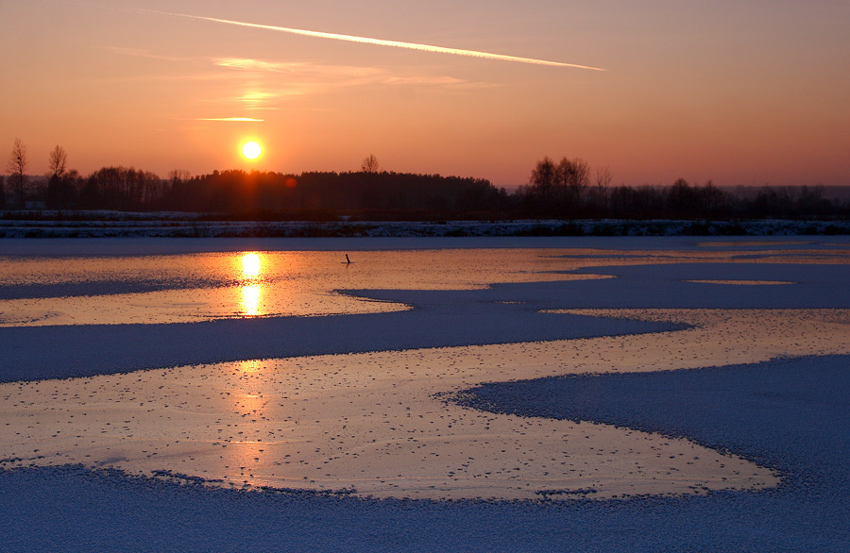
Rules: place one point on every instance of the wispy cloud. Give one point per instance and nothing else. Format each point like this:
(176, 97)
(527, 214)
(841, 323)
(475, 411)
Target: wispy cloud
(338, 71)
(143, 53)
(230, 119)
(429, 80)
(381, 42)
(341, 75)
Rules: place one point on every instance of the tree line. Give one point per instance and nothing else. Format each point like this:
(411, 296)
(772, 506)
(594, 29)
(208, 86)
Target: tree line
(567, 189)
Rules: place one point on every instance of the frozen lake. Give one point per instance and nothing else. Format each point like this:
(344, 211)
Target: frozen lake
(424, 369)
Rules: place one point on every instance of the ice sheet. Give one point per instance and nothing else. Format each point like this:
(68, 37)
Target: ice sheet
(702, 324)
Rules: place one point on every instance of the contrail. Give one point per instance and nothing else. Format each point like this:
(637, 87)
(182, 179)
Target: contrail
(380, 42)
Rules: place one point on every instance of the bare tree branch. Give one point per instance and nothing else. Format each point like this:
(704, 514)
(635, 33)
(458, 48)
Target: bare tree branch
(370, 164)
(58, 161)
(17, 166)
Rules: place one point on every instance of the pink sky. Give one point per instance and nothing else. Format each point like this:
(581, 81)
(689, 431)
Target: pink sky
(747, 92)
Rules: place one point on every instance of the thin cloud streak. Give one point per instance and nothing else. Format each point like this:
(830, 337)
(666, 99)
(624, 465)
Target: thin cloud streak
(310, 78)
(381, 42)
(297, 68)
(353, 75)
(232, 119)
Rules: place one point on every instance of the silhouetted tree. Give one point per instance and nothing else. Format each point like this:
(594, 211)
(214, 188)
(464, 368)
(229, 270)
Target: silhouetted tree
(811, 202)
(714, 201)
(59, 194)
(771, 202)
(58, 160)
(179, 175)
(543, 179)
(370, 164)
(604, 177)
(572, 176)
(599, 194)
(689, 202)
(175, 189)
(2, 193)
(17, 166)
(682, 199)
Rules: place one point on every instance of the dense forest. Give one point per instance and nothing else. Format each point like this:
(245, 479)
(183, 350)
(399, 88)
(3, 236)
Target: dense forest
(563, 190)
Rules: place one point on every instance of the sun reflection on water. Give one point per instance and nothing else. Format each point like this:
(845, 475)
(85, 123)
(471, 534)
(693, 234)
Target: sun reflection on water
(251, 266)
(251, 296)
(252, 285)
(190, 288)
(250, 442)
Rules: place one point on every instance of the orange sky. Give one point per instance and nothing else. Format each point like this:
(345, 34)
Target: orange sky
(747, 92)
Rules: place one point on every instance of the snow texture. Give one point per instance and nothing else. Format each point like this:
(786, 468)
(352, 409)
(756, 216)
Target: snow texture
(787, 413)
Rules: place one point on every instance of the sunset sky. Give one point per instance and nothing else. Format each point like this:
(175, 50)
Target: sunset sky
(741, 92)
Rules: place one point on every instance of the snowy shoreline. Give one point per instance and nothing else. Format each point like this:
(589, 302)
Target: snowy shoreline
(608, 245)
(114, 225)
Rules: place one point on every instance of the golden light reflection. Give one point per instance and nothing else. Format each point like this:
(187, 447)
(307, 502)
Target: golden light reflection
(248, 390)
(251, 266)
(251, 295)
(252, 285)
(250, 437)
(250, 366)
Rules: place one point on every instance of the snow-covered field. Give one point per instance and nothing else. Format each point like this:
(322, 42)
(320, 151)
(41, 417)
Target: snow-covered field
(437, 394)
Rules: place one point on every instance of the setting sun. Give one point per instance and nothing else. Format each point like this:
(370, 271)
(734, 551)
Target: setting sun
(251, 150)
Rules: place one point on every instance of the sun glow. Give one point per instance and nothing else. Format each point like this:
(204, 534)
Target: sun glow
(251, 150)
(250, 266)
